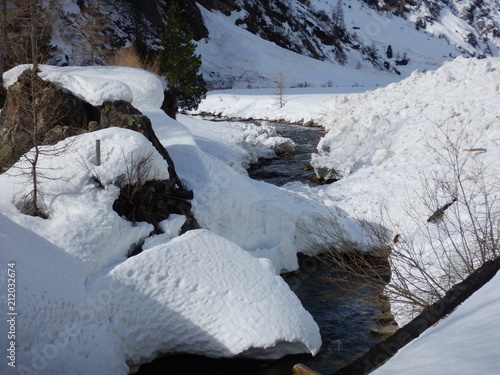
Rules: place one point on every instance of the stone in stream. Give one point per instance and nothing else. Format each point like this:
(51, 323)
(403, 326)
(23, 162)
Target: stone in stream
(300, 369)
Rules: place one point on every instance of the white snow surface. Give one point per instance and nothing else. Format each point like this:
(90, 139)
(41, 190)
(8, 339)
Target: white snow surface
(381, 141)
(466, 342)
(84, 307)
(385, 143)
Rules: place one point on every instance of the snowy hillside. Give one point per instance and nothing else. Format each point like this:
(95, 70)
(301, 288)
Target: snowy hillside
(308, 40)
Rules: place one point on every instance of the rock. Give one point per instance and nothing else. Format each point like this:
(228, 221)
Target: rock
(387, 330)
(122, 114)
(60, 132)
(56, 113)
(386, 318)
(300, 369)
(326, 174)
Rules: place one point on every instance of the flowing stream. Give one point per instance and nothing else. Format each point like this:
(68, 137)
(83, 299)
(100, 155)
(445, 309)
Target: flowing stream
(289, 168)
(344, 318)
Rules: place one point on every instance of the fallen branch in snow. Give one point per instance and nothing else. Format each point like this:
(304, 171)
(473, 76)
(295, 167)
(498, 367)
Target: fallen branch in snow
(383, 351)
(475, 150)
(438, 214)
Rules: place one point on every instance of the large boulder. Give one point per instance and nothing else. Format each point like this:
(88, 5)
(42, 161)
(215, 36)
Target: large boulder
(37, 112)
(59, 114)
(122, 114)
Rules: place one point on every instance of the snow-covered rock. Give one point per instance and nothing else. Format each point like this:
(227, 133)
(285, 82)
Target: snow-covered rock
(198, 294)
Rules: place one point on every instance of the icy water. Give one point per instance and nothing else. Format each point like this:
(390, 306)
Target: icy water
(285, 168)
(344, 318)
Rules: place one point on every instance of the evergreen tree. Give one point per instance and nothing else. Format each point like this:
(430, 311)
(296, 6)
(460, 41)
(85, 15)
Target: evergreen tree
(389, 52)
(180, 63)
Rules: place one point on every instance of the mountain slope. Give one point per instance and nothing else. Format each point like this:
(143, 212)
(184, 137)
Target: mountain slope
(355, 34)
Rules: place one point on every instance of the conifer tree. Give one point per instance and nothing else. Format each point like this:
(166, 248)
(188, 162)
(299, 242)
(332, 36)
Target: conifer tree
(180, 63)
(389, 52)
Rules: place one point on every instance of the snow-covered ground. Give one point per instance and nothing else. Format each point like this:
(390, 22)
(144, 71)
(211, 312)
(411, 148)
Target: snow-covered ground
(377, 140)
(83, 306)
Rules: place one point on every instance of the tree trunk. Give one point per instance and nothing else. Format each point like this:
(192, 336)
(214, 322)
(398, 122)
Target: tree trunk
(383, 351)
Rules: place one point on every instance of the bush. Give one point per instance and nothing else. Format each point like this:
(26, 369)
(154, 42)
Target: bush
(426, 257)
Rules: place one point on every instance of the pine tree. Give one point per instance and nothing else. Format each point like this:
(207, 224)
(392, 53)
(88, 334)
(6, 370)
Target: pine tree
(180, 63)
(389, 52)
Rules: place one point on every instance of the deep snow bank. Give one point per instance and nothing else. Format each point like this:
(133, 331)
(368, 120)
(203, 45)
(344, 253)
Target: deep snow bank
(395, 124)
(465, 342)
(395, 147)
(197, 294)
(382, 141)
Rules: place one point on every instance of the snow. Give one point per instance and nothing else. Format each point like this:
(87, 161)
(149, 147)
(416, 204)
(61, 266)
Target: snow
(95, 85)
(78, 209)
(207, 284)
(465, 342)
(385, 137)
(216, 287)
(229, 59)
(198, 293)
(230, 52)
(385, 145)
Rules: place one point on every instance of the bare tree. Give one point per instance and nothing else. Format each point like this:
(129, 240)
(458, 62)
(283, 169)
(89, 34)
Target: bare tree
(37, 105)
(279, 92)
(427, 256)
(39, 115)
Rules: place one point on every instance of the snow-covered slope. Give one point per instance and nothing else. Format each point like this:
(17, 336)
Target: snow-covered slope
(465, 342)
(230, 60)
(304, 39)
(386, 136)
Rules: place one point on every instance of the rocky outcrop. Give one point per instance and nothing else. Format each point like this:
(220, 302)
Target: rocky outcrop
(58, 114)
(37, 112)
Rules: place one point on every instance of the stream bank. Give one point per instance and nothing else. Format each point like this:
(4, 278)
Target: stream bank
(346, 319)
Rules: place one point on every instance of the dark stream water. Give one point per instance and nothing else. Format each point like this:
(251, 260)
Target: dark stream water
(285, 169)
(344, 317)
